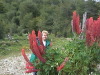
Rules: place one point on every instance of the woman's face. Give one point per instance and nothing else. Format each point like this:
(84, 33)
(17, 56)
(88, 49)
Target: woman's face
(44, 36)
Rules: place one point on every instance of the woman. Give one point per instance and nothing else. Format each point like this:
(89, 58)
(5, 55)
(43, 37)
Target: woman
(44, 38)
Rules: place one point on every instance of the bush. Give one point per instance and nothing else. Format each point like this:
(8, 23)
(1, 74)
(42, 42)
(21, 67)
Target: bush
(82, 59)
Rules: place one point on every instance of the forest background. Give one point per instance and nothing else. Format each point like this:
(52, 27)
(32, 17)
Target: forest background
(23, 16)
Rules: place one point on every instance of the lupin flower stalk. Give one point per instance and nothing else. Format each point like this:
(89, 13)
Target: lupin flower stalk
(76, 23)
(98, 31)
(31, 70)
(38, 54)
(62, 64)
(92, 31)
(35, 47)
(89, 32)
(29, 65)
(25, 57)
(41, 46)
(31, 42)
(40, 37)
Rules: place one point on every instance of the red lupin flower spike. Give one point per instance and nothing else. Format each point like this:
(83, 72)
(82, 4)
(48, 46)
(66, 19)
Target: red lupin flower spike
(38, 53)
(76, 23)
(62, 64)
(26, 58)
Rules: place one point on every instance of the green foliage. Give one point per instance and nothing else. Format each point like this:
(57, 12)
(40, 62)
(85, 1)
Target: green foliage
(2, 8)
(82, 59)
(1, 30)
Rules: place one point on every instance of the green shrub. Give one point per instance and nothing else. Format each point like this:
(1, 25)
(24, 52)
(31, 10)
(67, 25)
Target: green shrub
(82, 59)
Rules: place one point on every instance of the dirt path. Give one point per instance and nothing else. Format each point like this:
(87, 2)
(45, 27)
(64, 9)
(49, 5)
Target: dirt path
(12, 66)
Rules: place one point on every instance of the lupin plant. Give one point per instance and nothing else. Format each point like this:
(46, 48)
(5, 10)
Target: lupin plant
(38, 49)
(76, 23)
(91, 31)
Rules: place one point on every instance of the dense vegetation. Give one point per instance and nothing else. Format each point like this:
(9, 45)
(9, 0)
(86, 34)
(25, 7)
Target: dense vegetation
(23, 16)
(83, 60)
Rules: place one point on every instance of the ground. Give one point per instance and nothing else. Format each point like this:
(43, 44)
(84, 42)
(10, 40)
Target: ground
(13, 66)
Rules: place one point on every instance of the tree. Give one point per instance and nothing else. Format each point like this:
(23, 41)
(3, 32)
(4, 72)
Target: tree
(92, 8)
(1, 30)
(28, 13)
(2, 11)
